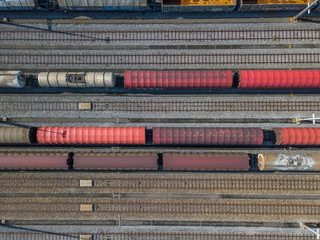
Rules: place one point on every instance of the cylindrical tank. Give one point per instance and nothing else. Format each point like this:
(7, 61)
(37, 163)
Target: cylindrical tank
(12, 79)
(91, 135)
(289, 162)
(178, 79)
(16, 4)
(76, 79)
(14, 135)
(279, 79)
(207, 136)
(297, 136)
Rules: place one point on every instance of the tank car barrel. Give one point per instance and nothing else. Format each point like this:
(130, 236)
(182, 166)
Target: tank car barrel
(12, 79)
(91, 135)
(297, 136)
(178, 79)
(77, 79)
(288, 162)
(13, 135)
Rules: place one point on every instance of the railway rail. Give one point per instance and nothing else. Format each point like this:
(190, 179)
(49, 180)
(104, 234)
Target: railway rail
(134, 105)
(163, 183)
(152, 235)
(159, 58)
(161, 35)
(261, 210)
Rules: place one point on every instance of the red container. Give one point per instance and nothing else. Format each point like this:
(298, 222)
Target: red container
(208, 161)
(91, 135)
(209, 136)
(297, 136)
(33, 161)
(178, 79)
(116, 161)
(279, 79)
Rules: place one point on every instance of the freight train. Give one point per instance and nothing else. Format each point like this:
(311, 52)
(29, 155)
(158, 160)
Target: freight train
(156, 5)
(163, 161)
(160, 136)
(168, 80)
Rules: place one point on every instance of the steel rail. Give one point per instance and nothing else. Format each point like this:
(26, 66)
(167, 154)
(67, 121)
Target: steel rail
(169, 209)
(152, 235)
(161, 183)
(158, 59)
(155, 105)
(161, 35)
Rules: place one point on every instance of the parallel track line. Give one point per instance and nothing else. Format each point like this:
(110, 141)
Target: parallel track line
(152, 235)
(114, 36)
(161, 184)
(152, 105)
(163, 208)
(158, 59)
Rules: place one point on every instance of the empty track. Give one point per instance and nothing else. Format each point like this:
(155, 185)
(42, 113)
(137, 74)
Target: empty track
(152, 235)
(156, 58)
(42, 208)
(167, 105)
(204, 183)
(160, 35)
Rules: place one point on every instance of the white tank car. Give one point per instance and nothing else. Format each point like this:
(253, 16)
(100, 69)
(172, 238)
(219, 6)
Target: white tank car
(17, 4)
(12, 79)
(102, 4)
(77, 79)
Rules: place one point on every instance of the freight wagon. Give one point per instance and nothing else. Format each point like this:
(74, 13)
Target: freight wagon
(156, 5)
(168, 80)
(124, 5)
(161, 161)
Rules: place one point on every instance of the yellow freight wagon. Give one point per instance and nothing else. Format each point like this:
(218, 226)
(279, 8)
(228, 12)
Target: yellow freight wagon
(198, 5)
(207, 2)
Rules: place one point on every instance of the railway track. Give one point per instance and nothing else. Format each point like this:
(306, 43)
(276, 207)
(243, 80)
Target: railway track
(163, 183)
(136, 105)
(150, 58)
(262, 210)
(161, 35)
(152, 235)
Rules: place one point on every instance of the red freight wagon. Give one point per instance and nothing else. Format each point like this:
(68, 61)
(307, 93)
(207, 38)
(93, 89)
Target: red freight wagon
(178, 79)
(91, 135)
(297, 136)
(212, 136)
(279, 79)
(33, 161)
(116, 161)
(206, 161)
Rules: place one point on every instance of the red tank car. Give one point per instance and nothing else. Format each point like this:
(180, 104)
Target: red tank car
(207, 136)
(91, 135)
(297, 136)
(279, 79)
(178, 79)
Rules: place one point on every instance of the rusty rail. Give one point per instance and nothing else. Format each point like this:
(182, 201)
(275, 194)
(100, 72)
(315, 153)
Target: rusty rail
(115, 36)
(169, 105)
